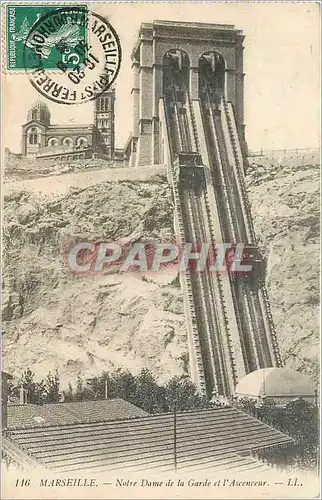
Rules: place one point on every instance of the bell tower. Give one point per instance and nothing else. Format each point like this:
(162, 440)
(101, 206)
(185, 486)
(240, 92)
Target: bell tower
(34, 131)
(105, 123)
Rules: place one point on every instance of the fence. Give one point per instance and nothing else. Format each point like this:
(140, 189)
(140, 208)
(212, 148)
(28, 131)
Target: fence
(277, 153)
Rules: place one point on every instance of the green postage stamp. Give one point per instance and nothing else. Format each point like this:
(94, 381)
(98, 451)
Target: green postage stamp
(48, 34)
(70, 53)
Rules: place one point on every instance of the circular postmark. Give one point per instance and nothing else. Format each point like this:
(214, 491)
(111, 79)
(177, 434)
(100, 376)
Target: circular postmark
(72, 55)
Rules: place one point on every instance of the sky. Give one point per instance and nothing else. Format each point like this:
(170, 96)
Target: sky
(281, 62)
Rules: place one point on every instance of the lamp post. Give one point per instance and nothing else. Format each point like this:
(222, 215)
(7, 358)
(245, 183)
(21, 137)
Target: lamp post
(105, 387)
(317, 426)
(175, 435)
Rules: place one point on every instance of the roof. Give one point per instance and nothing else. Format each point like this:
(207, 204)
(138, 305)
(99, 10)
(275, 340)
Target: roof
(30, 415)
(216, 439)
(71, 126)
(193, 24)
(36, 122)
(6, 376)
(65, 128)
(278, 382)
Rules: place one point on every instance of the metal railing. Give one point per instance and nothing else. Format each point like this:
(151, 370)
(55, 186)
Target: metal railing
(277, 153)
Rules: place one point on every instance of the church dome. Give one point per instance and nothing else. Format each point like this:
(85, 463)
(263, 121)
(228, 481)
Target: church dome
(39, 112)
(279, 383)
(40, 104)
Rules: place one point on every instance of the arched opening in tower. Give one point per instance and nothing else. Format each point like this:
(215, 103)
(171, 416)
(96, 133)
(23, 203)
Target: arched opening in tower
(176, 73)
(176, 66)
(212, 77)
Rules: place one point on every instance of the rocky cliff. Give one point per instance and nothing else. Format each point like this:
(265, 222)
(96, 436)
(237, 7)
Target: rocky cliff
(84, 324)
(285, 203)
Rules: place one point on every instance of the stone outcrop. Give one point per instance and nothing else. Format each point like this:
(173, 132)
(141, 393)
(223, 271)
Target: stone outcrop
(86, 324)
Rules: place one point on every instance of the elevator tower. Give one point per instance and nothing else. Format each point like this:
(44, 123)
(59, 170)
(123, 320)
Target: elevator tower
(189, 115)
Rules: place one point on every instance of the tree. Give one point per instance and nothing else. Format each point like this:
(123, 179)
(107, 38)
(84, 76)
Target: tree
(69, 394)
(52, 386)
(299, 420)
(182, 392)
(148, 394)
(94, 388)
(124, 385)
(35, 392)
(248, 405)
(13, 390)
(267, 412)
(102, 386)
(82, 393)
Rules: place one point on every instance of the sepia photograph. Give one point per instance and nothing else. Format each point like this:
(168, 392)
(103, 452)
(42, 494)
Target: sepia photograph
(160, 230)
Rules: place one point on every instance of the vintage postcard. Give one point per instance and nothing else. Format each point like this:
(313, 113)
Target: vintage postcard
(160, 249)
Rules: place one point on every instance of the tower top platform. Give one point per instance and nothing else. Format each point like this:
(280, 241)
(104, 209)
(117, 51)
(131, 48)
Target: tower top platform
(187, 24)
(187, 30)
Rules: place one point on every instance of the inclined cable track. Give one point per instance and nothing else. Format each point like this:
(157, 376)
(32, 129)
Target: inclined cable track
(196, 231)
(239, 172)
(213, 134)
(206, 285)
(262, 291)
(217, 288)
(193, 123)
(263, 350)
(222, 157)
(215, 283)
(239, 323)
(259, 350)
(249, 324)
(232, 175)
(221, 325)
(224, 336)
(185, 128)
(185, 143)
(261, 354)
(263, 297)
(178, 128)
(253, 326)
(202, 287)
(187, 277)
(246, 295)
(233, 284)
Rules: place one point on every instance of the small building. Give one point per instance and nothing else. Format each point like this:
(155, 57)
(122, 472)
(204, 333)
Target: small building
(119, 158)
(43, 140)
(78, 412)
(5, 377)
(280, 384)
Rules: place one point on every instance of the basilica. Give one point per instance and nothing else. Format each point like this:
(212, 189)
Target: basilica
(43, 140)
